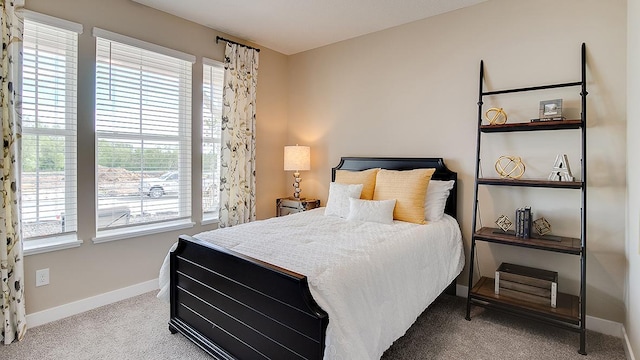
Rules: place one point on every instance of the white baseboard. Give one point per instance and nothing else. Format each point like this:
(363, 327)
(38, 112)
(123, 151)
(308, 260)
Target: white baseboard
(462, 291)
(599, 325)
(80, 306)
(604, 326)
(627, 345)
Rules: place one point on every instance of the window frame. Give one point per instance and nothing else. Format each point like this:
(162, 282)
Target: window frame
(209, 217)
(183, 139)
(63, 239)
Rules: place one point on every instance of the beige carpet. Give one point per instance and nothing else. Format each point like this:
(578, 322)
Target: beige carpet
(137, 329)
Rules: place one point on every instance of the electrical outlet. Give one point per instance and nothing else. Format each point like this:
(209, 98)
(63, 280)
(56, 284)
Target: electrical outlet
(42, 277)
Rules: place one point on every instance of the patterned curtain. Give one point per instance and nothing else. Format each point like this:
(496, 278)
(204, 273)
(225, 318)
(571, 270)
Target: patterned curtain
(12, 315)
(238, 158)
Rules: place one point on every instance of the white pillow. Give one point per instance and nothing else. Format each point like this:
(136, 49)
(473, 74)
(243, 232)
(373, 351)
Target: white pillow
(380, 211)
(436, 199)
(339, 195)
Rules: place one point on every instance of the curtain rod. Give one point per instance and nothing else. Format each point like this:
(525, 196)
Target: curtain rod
(237, 43)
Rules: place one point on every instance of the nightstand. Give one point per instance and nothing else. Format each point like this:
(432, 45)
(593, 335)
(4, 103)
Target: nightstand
(286, 206)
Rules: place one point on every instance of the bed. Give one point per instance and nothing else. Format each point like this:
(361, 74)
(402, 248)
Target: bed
(235, 306)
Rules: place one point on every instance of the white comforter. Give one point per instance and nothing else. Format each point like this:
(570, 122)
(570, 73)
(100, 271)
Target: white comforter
(372, 279)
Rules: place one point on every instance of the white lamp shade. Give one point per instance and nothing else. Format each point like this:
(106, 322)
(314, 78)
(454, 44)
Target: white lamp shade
(297, 158)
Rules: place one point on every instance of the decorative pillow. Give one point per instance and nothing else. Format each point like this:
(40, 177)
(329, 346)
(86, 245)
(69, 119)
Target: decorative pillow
(339, 195)
(371, 210)
(437, 194)
(409, 188)
(365, 177)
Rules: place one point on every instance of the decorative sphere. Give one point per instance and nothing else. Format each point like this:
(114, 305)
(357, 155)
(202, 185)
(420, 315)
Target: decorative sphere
(499, 116)
(510, 167)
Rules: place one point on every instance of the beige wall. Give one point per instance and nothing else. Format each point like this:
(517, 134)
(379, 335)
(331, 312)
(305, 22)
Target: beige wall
(94, 269)
(632, 320)
(412, 91)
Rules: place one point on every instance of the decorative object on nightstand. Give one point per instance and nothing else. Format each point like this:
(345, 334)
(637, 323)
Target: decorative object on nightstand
(510, 167)
(297, 158)
(561, 170)
(499, 116)
(286, 206)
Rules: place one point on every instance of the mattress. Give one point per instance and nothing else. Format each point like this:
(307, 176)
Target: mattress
(372, 279)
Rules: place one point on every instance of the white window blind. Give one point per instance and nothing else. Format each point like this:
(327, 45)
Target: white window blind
(212, 82)
(49, 122)
(143, 129)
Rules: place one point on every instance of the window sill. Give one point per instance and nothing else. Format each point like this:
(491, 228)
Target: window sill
(208, 220)
(142, 230)
(49, 244)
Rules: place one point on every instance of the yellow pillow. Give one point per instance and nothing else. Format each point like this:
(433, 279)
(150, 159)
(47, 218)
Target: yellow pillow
(365, 177)
(409, 188)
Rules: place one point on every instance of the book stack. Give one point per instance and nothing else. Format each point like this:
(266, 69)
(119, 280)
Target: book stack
(557, 118)
(523, 222)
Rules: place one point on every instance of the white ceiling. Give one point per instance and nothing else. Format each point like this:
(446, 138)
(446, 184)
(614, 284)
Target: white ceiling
(292, 26)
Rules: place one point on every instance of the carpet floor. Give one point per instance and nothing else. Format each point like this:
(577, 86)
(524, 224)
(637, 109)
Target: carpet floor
(136, 329)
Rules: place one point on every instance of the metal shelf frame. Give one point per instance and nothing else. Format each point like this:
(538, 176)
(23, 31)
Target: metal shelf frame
(580, 248)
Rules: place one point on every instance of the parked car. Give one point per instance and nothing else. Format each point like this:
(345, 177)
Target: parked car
(163, 185)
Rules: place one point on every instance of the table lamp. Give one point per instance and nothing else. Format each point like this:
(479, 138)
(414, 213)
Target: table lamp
(297, 158)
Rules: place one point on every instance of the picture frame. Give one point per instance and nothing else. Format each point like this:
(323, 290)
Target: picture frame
(551, 110)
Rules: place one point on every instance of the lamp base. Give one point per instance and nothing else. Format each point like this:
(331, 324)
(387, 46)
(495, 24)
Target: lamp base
(296, 185)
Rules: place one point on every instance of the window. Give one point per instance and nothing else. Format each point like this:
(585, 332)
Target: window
(212, 82)
(49, 162)
(143, 133)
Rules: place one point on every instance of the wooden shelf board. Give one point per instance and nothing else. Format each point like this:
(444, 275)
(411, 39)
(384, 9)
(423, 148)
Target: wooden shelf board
(566, 245)
(567, 306)
(531, 183)
(533, 126)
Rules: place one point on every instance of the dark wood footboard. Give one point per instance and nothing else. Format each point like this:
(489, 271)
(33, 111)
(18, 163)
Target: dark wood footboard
(234, 306)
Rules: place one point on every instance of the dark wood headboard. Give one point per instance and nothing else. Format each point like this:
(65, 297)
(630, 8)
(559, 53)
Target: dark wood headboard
(442, 172)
